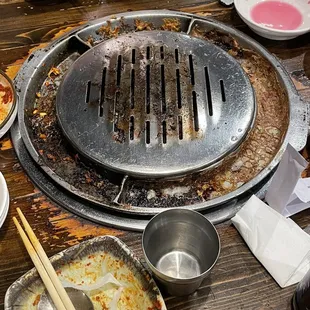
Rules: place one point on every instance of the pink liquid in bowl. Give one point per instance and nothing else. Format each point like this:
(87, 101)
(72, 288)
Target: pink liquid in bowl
(277, 15)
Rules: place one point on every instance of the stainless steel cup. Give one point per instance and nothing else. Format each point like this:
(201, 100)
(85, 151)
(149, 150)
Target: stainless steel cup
(181, 247)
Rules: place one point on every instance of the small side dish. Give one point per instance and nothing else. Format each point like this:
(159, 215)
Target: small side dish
(7, 103)
(274, 19)
(103, 268)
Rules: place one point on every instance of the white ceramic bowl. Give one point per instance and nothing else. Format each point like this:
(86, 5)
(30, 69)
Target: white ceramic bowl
(4, 199)
(5, 211)
(244, 8)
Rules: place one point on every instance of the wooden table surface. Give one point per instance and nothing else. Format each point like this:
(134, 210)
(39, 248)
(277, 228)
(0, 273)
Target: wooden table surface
(238, 281)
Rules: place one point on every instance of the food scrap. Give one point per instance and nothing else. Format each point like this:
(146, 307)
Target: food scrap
(142, 25)
(53, 72)
(88, 178)
(224, 41)
(205, 191)
(90, 40)
(43, 136)
(6, 94)
(67, 158)
(6, 101)
(109, 282)
(108, 31)
(52, 157)
(36, 301)
(171, 24)
(76, 157)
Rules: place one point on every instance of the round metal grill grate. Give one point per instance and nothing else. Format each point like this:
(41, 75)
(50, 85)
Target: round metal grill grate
(155, 104)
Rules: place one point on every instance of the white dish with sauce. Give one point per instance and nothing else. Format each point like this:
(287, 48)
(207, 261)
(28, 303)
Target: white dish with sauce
(104, 268)
(272, 30)
(8, 105)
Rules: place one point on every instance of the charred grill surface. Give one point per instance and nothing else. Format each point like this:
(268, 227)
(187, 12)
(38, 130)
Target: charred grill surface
(156, 104)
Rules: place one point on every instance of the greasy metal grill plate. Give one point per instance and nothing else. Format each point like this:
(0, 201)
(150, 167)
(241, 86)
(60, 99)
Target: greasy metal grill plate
(155, 104)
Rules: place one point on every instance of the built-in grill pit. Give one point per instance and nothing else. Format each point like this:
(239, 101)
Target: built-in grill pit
(149, 111)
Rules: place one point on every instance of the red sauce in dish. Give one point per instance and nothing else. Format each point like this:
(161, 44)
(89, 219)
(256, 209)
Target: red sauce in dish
(8, 95)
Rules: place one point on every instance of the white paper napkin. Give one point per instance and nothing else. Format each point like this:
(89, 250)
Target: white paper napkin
(300, 199)
(286, 184)
(278, 243)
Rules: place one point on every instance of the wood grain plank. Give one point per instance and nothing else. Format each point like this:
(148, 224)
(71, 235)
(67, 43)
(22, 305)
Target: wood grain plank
(238, 280)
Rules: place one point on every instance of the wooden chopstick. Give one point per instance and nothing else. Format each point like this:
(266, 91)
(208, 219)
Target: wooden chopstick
(46, 263)
(40, 268)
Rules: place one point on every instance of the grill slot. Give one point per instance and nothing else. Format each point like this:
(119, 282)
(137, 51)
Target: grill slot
(148, 89)
(132, 89)
(176, 55)
(223, 91)
(88, 86)
(119, 70)
(164, 132)
(191, 68)
(179, 95)
(132, 128)
(162, 55)
(147, 132)
(163, 88)
(148, 53)
(116, 103)
(195, 111)
(208, 89)
(180, 127)
(102, 91)
(133, 56)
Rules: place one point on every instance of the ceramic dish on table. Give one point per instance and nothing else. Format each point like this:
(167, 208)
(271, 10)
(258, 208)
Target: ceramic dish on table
(8, 103)
(278, 25)
(4, 200)
(104, 268)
